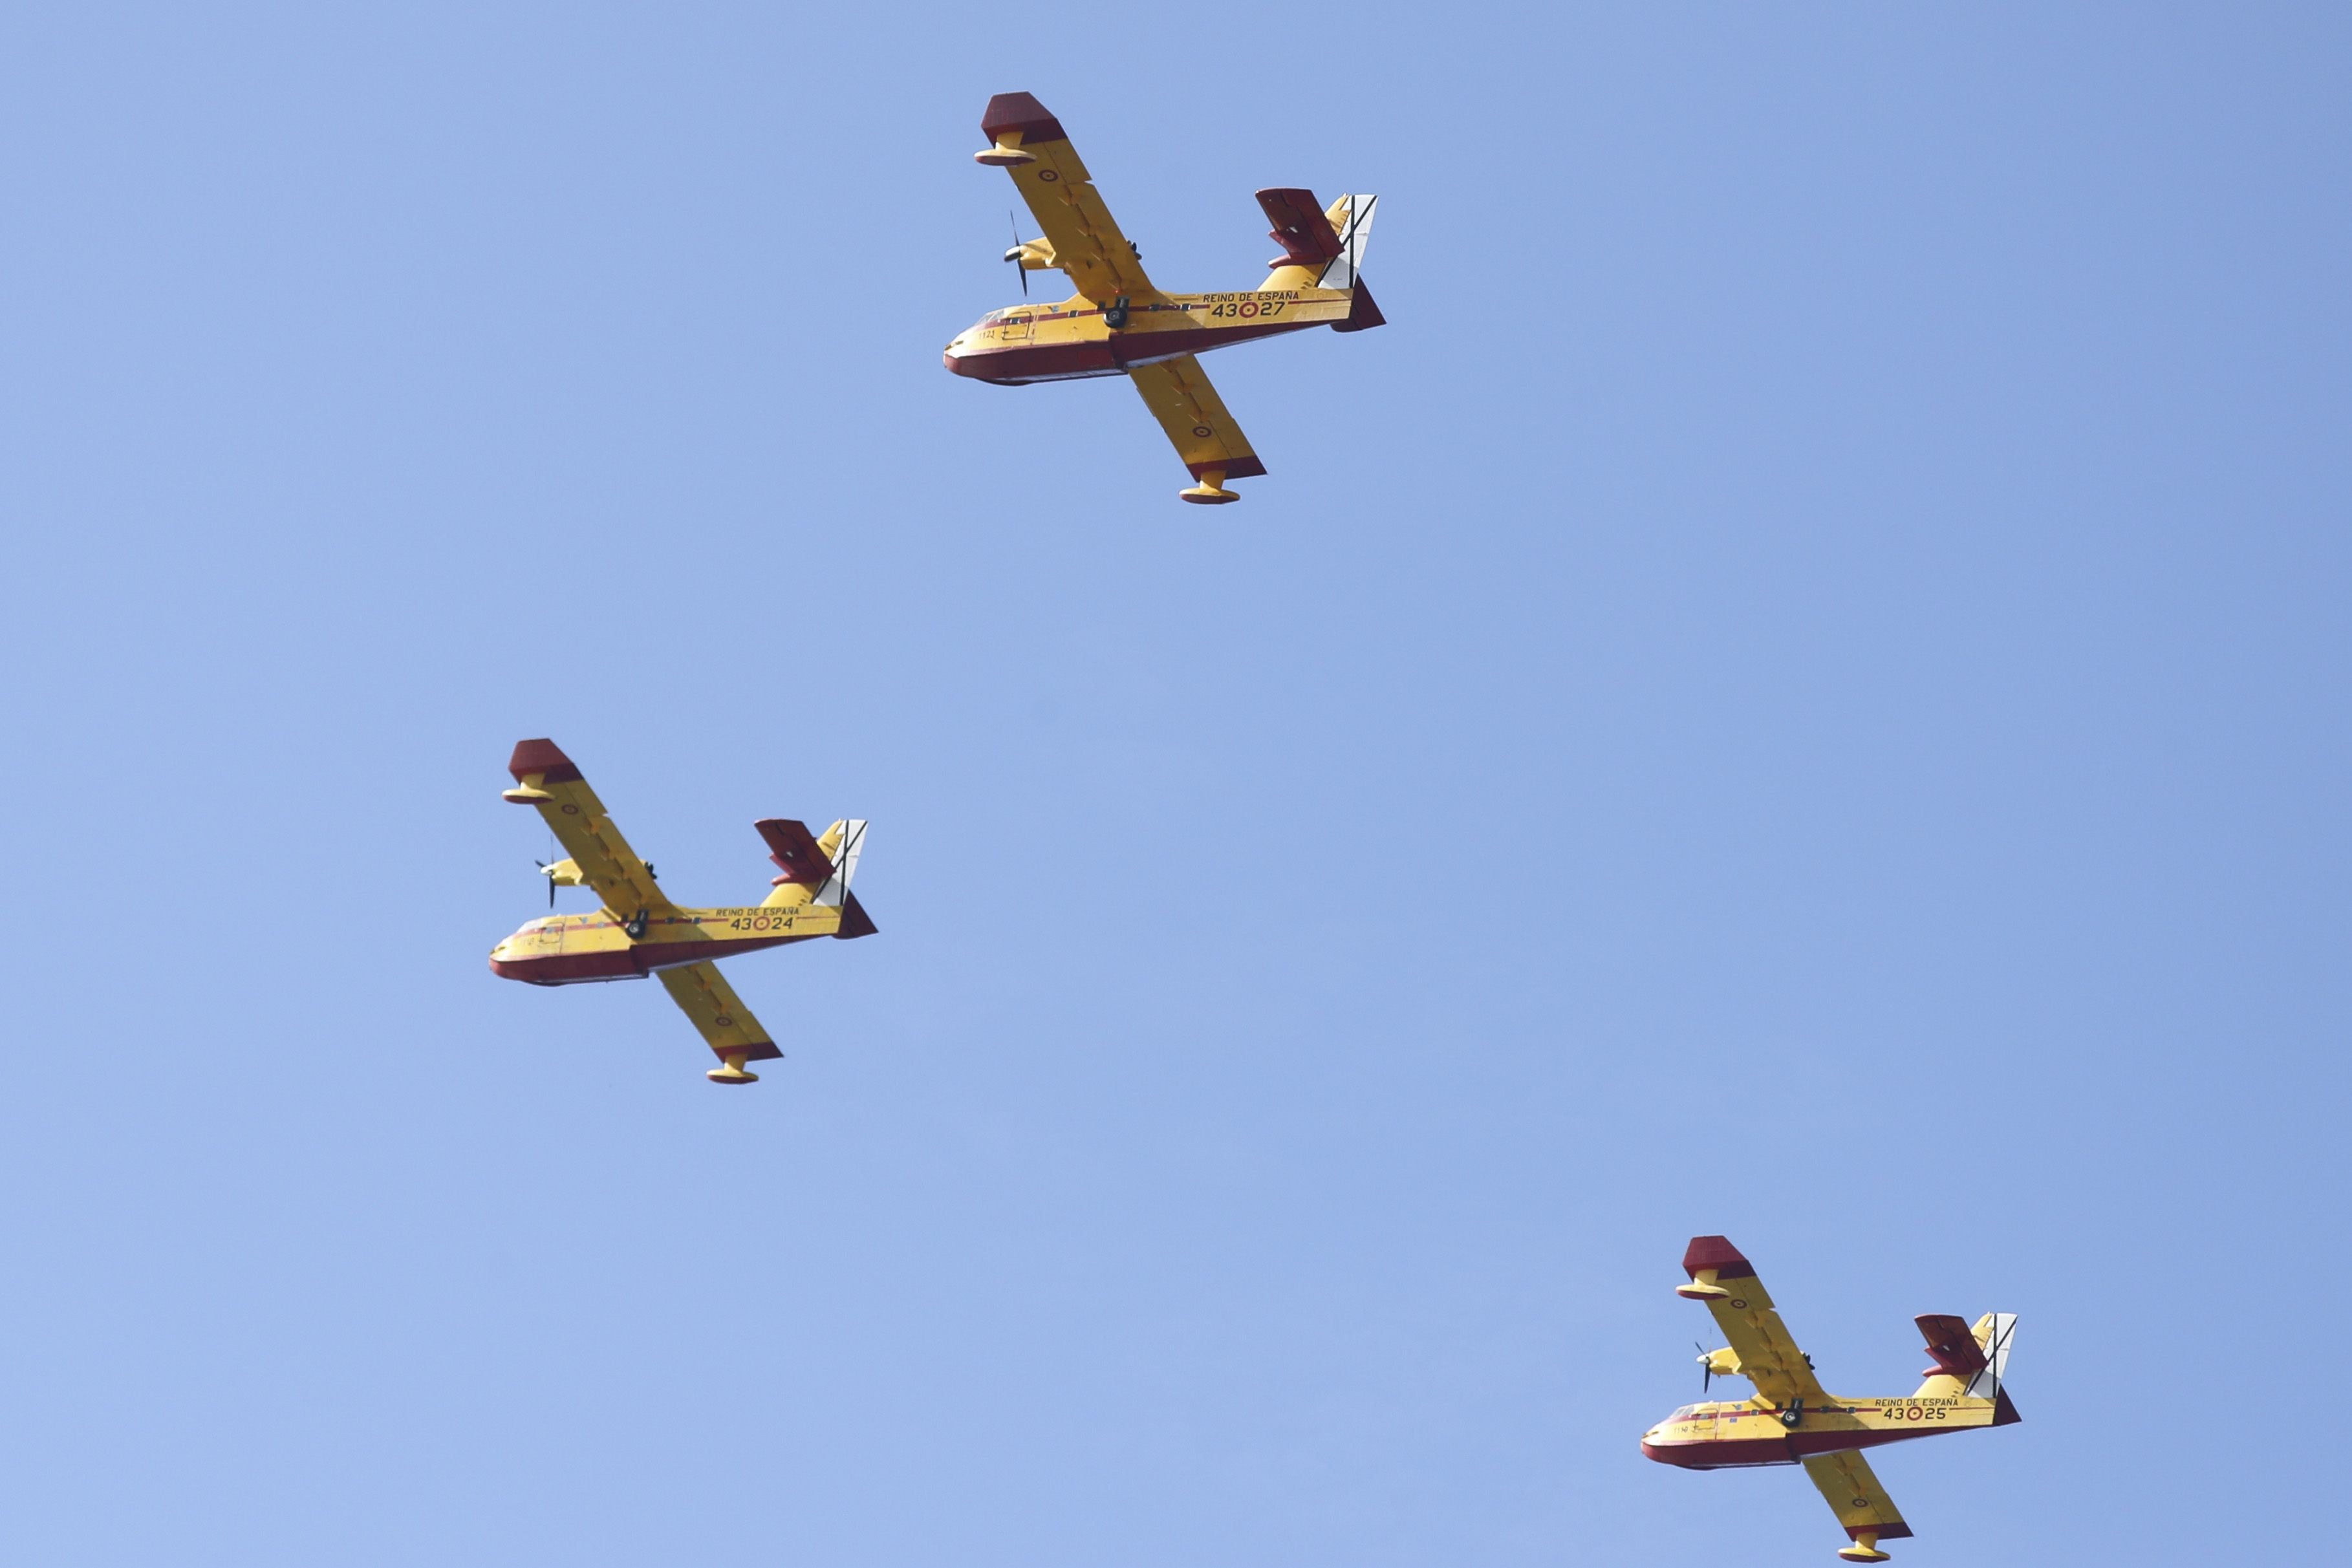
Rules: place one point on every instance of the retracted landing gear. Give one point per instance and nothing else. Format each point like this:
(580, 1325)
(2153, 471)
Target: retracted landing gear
(1115, 317)
(1794, 1415)
(635, 926)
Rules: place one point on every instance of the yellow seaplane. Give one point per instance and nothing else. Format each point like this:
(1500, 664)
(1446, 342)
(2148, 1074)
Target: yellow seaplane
(1792, 1420)
(1117, 323)
(639, 932)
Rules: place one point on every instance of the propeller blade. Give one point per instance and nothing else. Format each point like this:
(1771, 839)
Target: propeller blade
(1706, 1368)
(1013, 255)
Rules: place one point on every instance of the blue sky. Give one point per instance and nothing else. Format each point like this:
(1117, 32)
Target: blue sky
(1797, 689)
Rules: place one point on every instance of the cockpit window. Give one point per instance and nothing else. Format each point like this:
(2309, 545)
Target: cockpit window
(1683, 1414)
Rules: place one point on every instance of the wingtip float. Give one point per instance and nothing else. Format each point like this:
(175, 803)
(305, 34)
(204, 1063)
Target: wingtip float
(639, 932)
(1119, 323)
(1793, 1420)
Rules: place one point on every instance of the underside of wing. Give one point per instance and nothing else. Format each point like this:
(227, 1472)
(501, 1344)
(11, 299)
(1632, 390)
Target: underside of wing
(1767, 1356)
(1853, 1494)
(1743, 1310)
(1028, 142)
(1188, 408)
(547, 779)
(728, 1026)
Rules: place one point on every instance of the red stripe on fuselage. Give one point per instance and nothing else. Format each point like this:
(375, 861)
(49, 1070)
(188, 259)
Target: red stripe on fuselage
(1017, 364)
(633, 963)
(1708, 1454)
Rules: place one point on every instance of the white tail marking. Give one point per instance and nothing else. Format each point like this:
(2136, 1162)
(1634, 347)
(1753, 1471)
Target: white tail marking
(1986, 1385)
(844, 859)
(1353, 217)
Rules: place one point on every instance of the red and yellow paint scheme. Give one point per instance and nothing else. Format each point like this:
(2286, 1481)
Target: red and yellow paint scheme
(639, 932)
(1119, 323)
(1792, 1420)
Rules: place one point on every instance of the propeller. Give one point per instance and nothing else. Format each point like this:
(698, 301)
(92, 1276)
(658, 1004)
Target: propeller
(542, 866)
(1013, 255)
(1706, 1367)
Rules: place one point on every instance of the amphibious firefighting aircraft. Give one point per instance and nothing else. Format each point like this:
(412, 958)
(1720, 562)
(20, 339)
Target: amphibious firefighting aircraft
(640, 932)
(1119, 323)
(1793, 1420)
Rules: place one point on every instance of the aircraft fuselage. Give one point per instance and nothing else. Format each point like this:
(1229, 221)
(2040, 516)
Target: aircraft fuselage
(570, 949)
(1072, 340)
(1728, 1435)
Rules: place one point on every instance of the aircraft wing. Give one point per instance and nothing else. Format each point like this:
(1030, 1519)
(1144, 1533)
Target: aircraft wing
(547, 779)
(727, 1025)
(1188, 408)
(1853, 1494)
(1743, 1310)
(1028, 144)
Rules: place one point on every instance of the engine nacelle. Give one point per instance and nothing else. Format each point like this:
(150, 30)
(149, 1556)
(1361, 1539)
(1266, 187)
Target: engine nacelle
(1034, 255)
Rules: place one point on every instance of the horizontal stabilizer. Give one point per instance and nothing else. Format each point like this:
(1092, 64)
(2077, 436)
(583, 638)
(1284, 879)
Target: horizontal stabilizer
(1304, 234)
(795, 852)
(1951, 1347)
